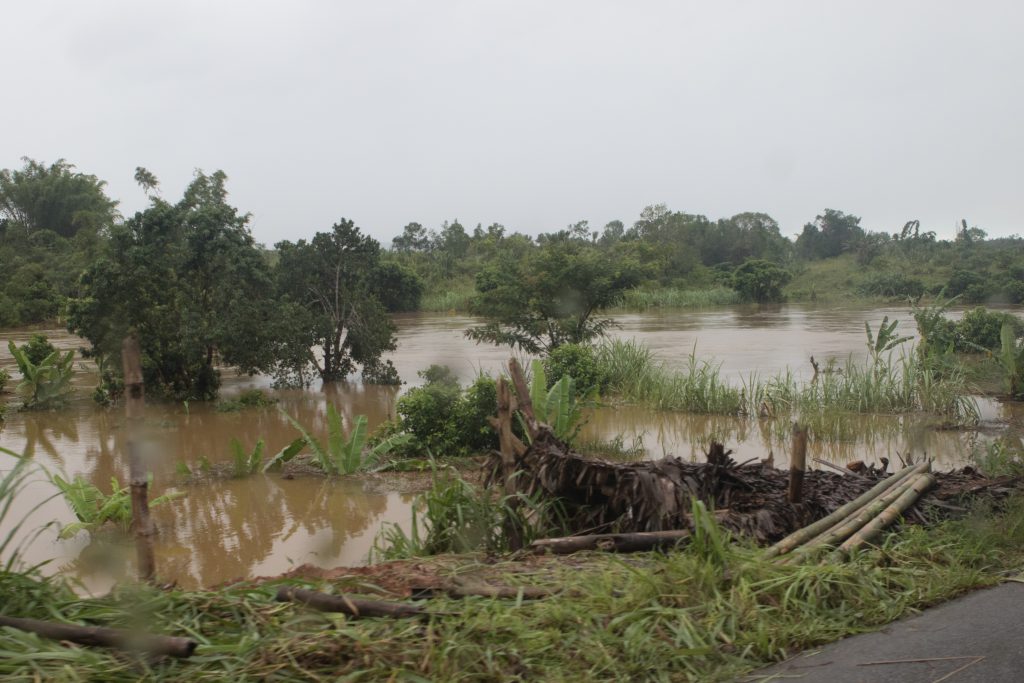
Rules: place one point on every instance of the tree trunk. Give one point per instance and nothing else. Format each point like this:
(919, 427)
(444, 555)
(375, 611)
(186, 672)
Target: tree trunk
(135, 407)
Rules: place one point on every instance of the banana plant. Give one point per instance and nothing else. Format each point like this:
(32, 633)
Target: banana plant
(45, 384)
(886, 340)
(246, 463)
(345, 453)
(557, 407)
(93, 508)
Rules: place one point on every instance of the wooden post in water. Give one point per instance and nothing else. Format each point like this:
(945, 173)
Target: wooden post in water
(135, 407)
(797, 463)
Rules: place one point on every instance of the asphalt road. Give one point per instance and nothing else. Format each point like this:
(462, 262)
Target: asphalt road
(978, 638)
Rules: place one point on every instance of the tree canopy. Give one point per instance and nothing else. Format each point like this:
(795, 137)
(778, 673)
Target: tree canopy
(55, 197)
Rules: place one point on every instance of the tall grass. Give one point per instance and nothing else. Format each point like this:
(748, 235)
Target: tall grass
(456, 298)
(645, 299)
(895, 383)
(12, 482)
(710, 612)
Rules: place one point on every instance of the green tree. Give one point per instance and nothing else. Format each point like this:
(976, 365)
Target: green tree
(334, 311)
(760, 281)
(55, 197)
(188, 279)
(829, 235)
(550, 296)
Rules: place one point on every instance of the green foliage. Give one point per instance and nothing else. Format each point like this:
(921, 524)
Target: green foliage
(892, 285)
(887, 340)
(760, 281)
(94, 509)
(551, 296)
(829, 235)
(1011, 359)
(444, 419)
(37, 348)
(189, 282)
(56, 198)
(4, 378)
(46, 384)
(342, 453)
(331, 288)
(557, 406)
(246, 463)
(578, 361)
(638, 299)
(250, 398)
(980, 328)
(455, 516)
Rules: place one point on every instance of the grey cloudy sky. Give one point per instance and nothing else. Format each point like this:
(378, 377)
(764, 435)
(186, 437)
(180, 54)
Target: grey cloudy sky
(531, 114)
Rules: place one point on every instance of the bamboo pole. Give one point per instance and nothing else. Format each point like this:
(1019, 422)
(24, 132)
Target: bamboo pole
(871, 530)
(797, 464)
(801, 535)
(466, 590)
(354, 607)
(620, 543)
(842, 530)
(105, 637)
(135, 408)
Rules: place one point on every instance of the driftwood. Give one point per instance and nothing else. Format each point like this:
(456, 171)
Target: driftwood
(619, 543)
(355, 607)
(105, 637)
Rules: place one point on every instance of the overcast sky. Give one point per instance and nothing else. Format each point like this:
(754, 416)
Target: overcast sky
(531, 114)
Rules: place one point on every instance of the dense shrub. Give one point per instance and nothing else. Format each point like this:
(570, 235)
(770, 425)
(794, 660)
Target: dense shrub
(445, 419)
(37, 348)
(578, 361)
(892, 285)
(760, 281)
(981, 328)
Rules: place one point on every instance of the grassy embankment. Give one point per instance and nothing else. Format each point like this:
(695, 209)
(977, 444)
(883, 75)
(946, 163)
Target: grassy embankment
(709, 613)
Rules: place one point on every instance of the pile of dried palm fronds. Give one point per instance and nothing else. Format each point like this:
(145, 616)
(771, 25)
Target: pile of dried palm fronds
(752, 498)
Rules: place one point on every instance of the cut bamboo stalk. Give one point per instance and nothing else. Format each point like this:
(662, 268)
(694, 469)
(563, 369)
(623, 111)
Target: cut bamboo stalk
(355, 607)
(842, 530)
(870, 531)
(135, 409)
(619, 543)
(797, 464)
(466, 590)
(120, 639)
(801, 535)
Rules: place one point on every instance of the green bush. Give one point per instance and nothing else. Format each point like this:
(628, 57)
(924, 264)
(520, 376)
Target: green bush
(981, 328)
(37, 348)
(250, 398)
(446, 420)
(892, 285)
(578, 361)
(760, 281)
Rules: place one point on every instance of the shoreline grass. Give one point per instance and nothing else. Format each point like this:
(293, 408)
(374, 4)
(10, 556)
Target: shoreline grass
(710, 612)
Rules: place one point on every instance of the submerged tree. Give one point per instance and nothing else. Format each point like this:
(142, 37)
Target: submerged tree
(335, 314)
(188, 279)
(550, 296)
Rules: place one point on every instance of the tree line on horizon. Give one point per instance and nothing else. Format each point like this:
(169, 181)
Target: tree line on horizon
(188, 277)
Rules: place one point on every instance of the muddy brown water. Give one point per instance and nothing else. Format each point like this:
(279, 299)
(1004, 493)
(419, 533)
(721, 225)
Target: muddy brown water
(265, 524)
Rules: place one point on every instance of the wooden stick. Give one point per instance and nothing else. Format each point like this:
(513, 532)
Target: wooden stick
(135, 408)
(797, 464)
(105, 637)
(523, 391)
(870, 531)
(510, 455)
(355, 607)
(801, 535)
(843, 470)
(619, 543)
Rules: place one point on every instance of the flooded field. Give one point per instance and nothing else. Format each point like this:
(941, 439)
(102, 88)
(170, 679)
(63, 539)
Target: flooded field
(263, 525)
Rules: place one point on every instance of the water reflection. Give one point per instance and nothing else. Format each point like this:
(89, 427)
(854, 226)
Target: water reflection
(265, 524)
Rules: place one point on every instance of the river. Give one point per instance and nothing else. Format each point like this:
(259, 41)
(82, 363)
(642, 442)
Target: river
(265, 524)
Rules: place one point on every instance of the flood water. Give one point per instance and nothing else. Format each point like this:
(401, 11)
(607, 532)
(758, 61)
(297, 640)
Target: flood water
(266, 524)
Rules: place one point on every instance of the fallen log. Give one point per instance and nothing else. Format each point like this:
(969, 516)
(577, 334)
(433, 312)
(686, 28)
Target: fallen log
(101, 636)
(619, 543)
(805, 534)
(355, 607)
